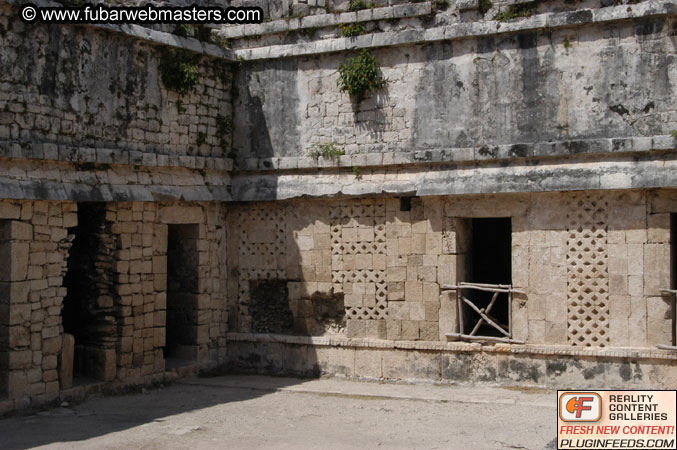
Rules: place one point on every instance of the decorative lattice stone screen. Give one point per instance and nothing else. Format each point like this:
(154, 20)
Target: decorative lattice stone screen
(358, 249)
(587, 272)
(262, 251)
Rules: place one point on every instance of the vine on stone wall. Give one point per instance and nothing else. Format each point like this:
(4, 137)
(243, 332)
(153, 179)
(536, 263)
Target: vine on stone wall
(360, 75)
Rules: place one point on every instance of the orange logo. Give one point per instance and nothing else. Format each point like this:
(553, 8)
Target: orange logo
(580, 407)
(577, 404)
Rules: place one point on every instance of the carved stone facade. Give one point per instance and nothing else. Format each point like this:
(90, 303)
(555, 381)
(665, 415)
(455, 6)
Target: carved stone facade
(148, 233)
(390, 264)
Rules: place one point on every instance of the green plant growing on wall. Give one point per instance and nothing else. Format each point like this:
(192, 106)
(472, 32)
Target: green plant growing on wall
(328, 151)
(179, 70)
(357, 172)
(353, 29)
(566, 43)
(484, 6)
(357, 5)
(516, 11)
(360, 75)
(222, 41)
(674, 134)
(184, 30)
(224, 128)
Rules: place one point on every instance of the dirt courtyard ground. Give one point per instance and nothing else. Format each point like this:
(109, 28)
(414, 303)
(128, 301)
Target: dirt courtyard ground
(254, 412)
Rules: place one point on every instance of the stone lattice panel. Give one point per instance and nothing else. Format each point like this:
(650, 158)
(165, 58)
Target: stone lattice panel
(262, 248)
(587, 272)
(357, 232)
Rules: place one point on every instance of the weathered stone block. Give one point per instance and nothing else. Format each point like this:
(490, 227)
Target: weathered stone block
(536, 331)
(410, 330)
(16, 254)
(429, 331)
(656, 268)
(9, 210)
(446, 269)
(356, 328)
(335, 361)
(19, 314)
(396, 274)
(177, 214)
(448, 314)
(19, 336)
(431, 292)
(396, 291)
(393, 329)
(637, 323)
(658, 228)
(660, 317)
(413, 291)
(368, 364)
(556, 332)
(20, 359)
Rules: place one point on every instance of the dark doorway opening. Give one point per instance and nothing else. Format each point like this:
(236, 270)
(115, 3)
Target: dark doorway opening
(88, 313)
(183, 325)
(490, 262)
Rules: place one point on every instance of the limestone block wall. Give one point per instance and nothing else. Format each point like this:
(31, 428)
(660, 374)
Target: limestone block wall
(591, 265)
(35, 357)
(464, 96)
(34, 247)
(81, 87)
(141, 266)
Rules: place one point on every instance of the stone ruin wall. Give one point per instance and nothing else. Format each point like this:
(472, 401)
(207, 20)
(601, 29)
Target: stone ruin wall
(463, 95)
(386, 266)
(528, 103)
(36, 240)
(80, 87)
(85, 116)
(562, 121)
(587, 82)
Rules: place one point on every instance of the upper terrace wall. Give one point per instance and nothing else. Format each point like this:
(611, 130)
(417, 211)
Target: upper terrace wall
(612, 80)
(462, 87)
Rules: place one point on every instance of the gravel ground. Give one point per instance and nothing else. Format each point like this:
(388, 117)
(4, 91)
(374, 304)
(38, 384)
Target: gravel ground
(252, 412)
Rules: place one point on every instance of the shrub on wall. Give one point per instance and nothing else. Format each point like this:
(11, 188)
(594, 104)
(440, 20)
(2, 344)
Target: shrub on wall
(360, 75)
(328, 151)
(357, 5)
(179, 71)
(352, 30)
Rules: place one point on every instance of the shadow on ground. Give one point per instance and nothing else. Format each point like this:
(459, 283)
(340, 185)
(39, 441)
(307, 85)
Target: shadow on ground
(100, 415)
